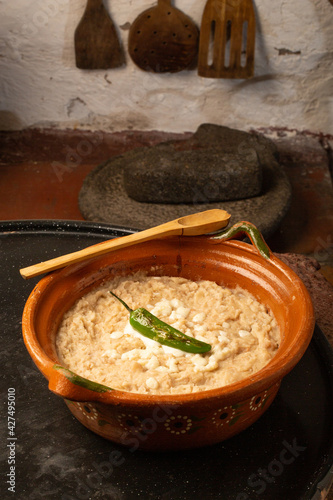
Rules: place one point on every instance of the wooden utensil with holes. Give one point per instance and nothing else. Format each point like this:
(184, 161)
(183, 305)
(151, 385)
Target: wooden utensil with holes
(227, 39)
(190, 225)
(96, 41)
(163, 39)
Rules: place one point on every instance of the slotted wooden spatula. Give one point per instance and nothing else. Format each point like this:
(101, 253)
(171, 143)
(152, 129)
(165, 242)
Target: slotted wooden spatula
(96, 41)
(227, 39)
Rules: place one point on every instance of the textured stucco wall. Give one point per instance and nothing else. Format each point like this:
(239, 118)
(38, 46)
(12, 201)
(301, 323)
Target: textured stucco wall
(40, 85)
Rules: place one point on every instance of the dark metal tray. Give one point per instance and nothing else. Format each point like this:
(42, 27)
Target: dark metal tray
(287, 454)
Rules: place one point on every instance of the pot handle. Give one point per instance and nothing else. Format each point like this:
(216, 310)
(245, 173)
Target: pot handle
(69, 385)
(251, 231)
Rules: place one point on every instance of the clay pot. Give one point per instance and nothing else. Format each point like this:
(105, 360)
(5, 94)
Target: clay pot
(176, 421)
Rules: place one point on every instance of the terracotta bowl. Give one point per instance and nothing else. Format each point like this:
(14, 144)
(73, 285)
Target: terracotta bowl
(175, 421)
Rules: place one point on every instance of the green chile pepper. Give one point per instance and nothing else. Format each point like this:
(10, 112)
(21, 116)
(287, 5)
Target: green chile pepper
(150, 326)
(81, 381)
(251, 231)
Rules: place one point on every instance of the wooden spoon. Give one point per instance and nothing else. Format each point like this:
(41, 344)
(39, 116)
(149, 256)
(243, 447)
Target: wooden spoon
(190, 225)
(163, 39)
(96, 41)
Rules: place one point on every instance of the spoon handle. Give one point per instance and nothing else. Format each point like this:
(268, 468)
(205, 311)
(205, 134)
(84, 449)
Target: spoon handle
(167, 229)
(194, 224)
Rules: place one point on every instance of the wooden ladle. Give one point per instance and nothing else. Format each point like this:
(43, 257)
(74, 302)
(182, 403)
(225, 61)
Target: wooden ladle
(190, 225)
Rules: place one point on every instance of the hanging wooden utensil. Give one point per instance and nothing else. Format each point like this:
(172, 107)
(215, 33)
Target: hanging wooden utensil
(96, 42)
(163, 39)
(227, 39)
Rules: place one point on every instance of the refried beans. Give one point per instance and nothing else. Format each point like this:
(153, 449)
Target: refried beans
(96, 341)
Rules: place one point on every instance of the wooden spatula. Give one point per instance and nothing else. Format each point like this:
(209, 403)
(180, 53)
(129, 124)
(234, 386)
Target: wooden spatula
(96, 41)
(227, 39)
(163, 39)
(190, 225)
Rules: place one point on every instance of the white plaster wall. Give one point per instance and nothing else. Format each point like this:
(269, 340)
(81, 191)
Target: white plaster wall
(40, 85)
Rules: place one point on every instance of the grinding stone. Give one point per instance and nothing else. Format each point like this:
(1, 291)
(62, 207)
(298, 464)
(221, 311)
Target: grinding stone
(103, 197)
(162, 175)
(103, 201)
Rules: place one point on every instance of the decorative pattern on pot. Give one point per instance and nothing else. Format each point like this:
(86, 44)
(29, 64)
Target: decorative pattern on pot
(230, 415)
(224, 416)
(87, 413)
(178, 424)
(88, 410)
(226, 420)
(258, 401)
(131, 423)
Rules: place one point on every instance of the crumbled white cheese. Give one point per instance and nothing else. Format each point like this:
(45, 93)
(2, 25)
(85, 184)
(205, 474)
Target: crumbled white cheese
(162, 308)
(182, 312)
(152, 363)
(172, 365)
(116, 335)
(175, 303)
(199, 361)
(223, 353)
(199, 317)
(111, 354)
(174, 352)
(222, 336)
(133, 354)
(212, 364)
(200, 328)
(152, 383)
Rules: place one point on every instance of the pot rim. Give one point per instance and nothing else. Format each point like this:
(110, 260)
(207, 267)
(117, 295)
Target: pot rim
(270, 374)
